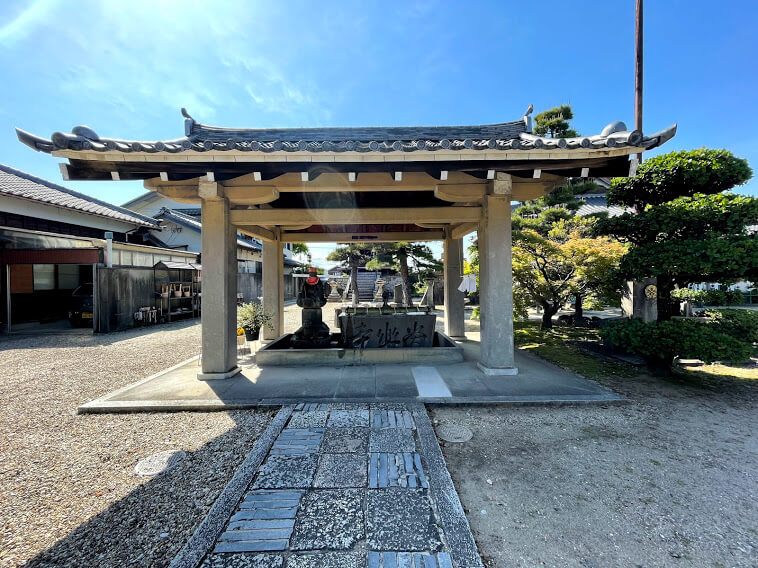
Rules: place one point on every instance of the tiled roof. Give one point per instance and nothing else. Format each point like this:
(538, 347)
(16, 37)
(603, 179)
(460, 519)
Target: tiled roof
(202, 138)
(597, 203)
(15, 183)
(193, 222)
(594, 203)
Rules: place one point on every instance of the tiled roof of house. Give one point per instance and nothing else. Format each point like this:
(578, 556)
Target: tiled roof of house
(597, 203)
(15, 183)
(199, 137)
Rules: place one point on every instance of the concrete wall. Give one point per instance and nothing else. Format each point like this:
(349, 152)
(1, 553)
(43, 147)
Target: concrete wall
(120, 293)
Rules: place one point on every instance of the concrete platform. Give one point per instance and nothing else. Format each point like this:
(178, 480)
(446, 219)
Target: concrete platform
(178, 388)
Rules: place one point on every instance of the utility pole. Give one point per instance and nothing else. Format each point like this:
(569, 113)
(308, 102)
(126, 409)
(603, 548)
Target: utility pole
(638, 73)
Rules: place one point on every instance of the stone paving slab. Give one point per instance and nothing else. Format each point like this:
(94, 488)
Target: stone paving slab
(391, 418)
(297, 441)
(312, 406)
(391, 440)
(347, 418)
(401, 519)
(345, 440)
(350, 486)
(286, 472)
(331, 518)
(328, 560)
(409, 560)
(396, 470)
(263, 521)
(243, 560)
(341, 470)
(308, 419)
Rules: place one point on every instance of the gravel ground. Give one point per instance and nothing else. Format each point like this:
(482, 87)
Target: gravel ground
(668, 479)
(68, 492)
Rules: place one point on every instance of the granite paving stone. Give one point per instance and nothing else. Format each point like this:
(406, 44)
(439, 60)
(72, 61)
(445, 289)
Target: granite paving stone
(329, 519)
(341, 470)
(297, 441)
(347, 486)
(283, 472)
(349, 406)
(263, 521)
(328, 560)
(391, 418)
(312, 406)
(409, 560)
(308, 419)
(345, 440)
(391, 440)
(243, 560)
(401, 519)
(346, 418)
(396, 470)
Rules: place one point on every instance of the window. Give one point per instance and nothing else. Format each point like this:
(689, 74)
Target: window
(68, 276)
(44, 277)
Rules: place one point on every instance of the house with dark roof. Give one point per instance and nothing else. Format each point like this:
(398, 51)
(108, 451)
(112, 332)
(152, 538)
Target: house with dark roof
(30, 202)
(182, 224)
(61, 250)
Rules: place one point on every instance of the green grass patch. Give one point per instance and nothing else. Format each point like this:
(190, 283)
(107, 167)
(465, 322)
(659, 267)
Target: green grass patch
(558, 345)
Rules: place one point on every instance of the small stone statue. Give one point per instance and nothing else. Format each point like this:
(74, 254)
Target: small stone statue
(334, 295)
(311, 297)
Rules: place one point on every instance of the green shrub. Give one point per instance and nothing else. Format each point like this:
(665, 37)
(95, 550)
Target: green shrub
(740, 324)
(660, 342)
(709, 297)
(252, 318)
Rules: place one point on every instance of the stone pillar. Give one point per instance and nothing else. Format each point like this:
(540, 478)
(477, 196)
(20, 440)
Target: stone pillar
(219, 281)
(496, 283)
(454, 316)
(640, 300)
(273, 287)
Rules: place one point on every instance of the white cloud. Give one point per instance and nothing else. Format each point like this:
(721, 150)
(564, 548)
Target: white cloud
(25, 22)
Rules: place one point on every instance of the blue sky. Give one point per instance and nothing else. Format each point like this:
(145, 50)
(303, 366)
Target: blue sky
(125, 69)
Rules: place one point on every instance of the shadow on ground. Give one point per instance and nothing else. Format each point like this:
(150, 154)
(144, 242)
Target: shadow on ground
(150, 525)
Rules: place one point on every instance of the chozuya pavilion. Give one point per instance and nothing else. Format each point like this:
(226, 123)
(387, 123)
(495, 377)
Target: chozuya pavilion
(351, 185)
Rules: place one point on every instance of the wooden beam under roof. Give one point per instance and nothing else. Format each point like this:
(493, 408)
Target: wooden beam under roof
(377, 216)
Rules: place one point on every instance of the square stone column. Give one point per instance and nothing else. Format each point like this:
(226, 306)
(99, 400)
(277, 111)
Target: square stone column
(453, 263)
(496, 285)
(219, 287)
(273, 287)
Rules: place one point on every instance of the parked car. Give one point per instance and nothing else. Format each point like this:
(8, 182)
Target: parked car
(80, 314)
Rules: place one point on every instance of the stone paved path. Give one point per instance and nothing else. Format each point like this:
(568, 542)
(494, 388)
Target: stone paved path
(341, 485)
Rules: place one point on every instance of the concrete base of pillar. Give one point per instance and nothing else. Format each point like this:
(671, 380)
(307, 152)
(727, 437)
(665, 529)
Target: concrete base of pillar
(217, 376)
(457, 337)
(497, 371)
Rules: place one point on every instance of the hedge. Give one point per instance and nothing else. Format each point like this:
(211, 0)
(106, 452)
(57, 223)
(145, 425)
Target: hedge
(710, 297)
(660, 342)
(740, 324)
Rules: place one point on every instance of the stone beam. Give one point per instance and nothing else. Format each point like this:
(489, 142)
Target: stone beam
(367, 181)
(377, 216)
(341, 237)
(258, 232)
(460, 231)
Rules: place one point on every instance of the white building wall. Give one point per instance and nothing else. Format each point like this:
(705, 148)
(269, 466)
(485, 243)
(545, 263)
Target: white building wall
(62, 215)
(152, 205)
